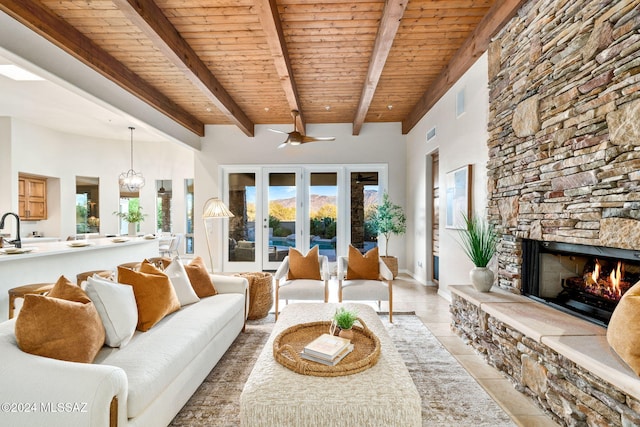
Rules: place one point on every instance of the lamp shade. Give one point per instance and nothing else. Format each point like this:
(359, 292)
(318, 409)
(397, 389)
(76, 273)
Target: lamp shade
(215, 208)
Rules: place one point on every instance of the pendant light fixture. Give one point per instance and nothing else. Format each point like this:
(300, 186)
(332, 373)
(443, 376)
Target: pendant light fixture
(131, 180)
(162, 190)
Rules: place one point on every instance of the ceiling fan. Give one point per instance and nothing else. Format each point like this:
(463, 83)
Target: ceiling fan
(365, 178)
(296, 138)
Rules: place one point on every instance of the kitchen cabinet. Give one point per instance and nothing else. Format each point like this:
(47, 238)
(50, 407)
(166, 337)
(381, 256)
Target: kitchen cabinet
(32, 198)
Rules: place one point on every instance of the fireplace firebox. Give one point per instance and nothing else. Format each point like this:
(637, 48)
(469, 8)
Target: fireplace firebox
(586, 281)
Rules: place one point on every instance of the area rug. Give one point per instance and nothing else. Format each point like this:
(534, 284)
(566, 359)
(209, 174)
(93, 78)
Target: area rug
(450, 396)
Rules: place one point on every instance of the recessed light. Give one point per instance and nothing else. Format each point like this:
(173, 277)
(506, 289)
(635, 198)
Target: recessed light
(266, 109)
(389, 107)
(327, 107)
(16, 73)
(208, 109)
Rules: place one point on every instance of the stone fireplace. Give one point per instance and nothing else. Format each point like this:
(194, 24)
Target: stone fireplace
(564, 129)
(586, 281)
(563, 170)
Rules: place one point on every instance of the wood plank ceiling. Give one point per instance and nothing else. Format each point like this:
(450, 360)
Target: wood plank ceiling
(248, 62)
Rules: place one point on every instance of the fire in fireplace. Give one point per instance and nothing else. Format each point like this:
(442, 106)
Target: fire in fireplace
(587, 281)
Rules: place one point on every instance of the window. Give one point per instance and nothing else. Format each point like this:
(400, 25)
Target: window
(188, 237)
(460, 103)
(87, 205)
(163, 206)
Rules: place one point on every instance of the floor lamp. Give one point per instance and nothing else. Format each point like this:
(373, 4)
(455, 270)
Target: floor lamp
(214, 208)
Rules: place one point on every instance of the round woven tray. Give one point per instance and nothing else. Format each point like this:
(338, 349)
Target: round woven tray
(290, 342)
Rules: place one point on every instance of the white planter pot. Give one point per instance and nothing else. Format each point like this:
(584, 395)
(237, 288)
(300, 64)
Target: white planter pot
(132, 229)
(481, 278)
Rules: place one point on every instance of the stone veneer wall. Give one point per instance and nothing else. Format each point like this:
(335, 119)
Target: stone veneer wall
(564, 128)
(571, 395)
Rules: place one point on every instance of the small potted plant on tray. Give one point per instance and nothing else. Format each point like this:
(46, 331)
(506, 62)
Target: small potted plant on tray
(344, 320)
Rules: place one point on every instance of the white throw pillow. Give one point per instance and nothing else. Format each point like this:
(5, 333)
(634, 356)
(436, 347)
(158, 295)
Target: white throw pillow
(181, 283)
(116, 305)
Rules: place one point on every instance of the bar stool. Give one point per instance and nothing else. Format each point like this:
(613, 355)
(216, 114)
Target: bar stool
(161, 262)
(21, 291)
(131, 265)
(105, 274)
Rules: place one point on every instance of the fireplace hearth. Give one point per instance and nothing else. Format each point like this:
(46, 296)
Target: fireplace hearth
(586, 281)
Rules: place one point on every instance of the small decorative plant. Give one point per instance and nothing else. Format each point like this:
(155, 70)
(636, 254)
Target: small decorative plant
(479, 240)
(345, 318)
(132, 216)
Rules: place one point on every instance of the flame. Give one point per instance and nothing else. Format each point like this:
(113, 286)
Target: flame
(595, 274)
(615, 278)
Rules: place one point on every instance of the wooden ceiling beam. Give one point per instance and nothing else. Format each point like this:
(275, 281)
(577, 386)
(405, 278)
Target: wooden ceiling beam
(44, 22)
(148, 17)
(272, 27)
(389, 24)
(473, 47)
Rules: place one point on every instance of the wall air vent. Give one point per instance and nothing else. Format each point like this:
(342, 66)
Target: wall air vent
(431, 134)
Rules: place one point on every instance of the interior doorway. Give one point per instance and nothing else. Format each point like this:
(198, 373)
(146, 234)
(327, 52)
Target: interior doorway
(435, 218)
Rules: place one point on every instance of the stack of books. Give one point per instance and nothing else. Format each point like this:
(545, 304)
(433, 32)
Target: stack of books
(327, 349)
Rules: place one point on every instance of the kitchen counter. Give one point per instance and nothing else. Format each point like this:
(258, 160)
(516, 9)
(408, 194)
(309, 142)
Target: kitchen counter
(47, 261)
(30, 240)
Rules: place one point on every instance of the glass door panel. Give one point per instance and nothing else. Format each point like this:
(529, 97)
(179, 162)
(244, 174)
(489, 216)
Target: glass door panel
(323, 212)
(242, 227)
(280, 223)
(364, 192)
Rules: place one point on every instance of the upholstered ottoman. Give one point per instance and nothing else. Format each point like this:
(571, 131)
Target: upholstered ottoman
(383, 395)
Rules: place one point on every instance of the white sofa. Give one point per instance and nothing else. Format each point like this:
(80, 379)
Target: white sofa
(145, 383)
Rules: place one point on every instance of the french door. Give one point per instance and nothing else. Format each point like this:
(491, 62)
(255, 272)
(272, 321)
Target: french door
(280, 207)
(283, 222)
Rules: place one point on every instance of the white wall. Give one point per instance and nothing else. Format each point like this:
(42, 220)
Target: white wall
(61, 157)
(226, 145)
(6, 166)
(460, 141)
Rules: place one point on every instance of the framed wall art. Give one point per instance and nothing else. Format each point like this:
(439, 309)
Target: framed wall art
(458, 197)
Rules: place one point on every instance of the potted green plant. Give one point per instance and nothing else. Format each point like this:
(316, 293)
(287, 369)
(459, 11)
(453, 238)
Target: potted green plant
(133, 217)
(389, 219)
(479, 241)
(344, 320)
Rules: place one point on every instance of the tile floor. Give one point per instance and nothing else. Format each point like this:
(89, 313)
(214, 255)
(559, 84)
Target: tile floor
(433, 310)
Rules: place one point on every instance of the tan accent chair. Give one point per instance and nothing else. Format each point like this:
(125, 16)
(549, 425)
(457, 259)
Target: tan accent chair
(301, 289)
(366, 289)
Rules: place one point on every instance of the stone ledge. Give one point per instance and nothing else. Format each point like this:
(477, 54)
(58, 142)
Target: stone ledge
(583, 343)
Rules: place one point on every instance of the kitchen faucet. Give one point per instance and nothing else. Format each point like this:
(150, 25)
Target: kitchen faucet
(16, 242)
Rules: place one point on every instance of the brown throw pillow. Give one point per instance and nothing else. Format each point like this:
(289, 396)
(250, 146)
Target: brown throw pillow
(155, 296)
(64, 289)
(623, 332)
(60, 328)
(365, 266)
(199, 278)
(304, 266)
